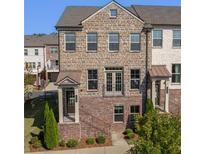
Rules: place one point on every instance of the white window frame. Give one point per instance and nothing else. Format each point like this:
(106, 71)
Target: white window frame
(36, 51)
(70, 41)
(175, 38)
(135, 78)
(118, 113)
(135, 51)
(153, 38)
(91, 42)
(176, 83)
(113, 42)
(39, 64)
(111, 13)
(92, 80)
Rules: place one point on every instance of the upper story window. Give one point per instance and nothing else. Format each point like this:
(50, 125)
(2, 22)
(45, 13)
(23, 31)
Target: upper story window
(25, 52)
(92, 79)
(36, 52)
(39, 64)
(113, 13)
(53, 49)
(176, 73)
(113, 41)
(176, 38)
(56, 62)
(134, 110)
(118, 113)
(135, 42)
(33, 65)
(134, 79)
(157, 38)
(92, 41)
(70, 40)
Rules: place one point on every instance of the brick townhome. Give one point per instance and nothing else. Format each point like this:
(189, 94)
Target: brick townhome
(105, 55)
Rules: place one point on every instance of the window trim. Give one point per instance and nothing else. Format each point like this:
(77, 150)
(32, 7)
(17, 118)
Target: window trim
(159, 47)
(176, 83)
(175, 47)
(92, 51)
(133, 113)
(118, 113)
(139, 79)
(70, 51)
(53, 52)
(113, 51)
(26, 52)
(130, 42)
(111, 13)
(92, 90)
(35, 52)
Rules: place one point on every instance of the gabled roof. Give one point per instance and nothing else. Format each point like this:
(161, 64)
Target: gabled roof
(70, 77)
(40, 41)
(162, 15)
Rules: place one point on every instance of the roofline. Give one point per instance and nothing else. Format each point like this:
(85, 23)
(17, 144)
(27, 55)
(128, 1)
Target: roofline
(157, 5)
(33, 46)
(119, 5)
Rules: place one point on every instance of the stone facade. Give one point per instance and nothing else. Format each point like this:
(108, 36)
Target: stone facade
(96, 110)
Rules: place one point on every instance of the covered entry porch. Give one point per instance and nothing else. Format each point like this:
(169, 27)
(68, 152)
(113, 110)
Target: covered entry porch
(68, 85)
(160, 78)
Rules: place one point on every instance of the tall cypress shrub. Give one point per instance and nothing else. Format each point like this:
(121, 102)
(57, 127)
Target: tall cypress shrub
(46, 111)
(50, 131)
(149, 106)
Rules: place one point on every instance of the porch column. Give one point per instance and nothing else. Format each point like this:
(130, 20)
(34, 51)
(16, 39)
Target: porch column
(166, 106)
(60, 104)
(76, 106)
(153, 93)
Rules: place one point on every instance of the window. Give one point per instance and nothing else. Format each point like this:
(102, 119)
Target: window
(176, 73)
(135, 42)
(36, 52)
(157, 38)
(113, 13)
(33, 65)
(92, 80)
(114, 82)
(25, 52)
(135, 78)
(39, 64)
(53, 50)
(70, 41)
(176, 38)
(113, 41)
(134, 110)
(56, 62)
(92, 41)
(118, 113)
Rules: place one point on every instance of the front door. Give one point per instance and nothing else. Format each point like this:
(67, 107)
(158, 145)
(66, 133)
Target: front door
(70, 103)
(157, 92)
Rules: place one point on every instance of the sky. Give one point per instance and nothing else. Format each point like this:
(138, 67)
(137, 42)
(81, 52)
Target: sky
(41, 16)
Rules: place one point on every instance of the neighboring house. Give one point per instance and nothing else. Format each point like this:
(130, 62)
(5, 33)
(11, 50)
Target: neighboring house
(106, 57)
(39, 53)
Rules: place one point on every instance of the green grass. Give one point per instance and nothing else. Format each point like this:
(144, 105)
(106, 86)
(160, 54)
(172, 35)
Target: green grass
(33, 118)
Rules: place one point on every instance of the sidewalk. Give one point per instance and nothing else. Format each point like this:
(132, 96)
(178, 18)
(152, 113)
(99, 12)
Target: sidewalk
(98, 150)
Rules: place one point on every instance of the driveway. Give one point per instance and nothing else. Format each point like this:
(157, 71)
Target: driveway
(120, 149)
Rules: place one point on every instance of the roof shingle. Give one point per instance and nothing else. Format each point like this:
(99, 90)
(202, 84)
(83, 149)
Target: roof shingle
(159, 71)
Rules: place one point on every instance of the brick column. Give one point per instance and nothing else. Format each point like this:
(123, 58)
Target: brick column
(76, 105)
(60, 104)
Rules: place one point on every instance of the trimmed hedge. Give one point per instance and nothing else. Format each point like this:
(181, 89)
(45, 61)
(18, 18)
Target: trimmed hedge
(128, 130)
(100, 139)
(72, 143)
(90, 140)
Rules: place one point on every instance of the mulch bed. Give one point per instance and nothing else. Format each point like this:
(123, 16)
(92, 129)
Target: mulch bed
(81, 145)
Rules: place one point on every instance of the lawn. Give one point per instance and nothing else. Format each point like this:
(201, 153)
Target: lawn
(33, 117)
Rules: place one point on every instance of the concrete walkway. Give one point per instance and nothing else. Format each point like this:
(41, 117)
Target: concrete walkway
(120, 149)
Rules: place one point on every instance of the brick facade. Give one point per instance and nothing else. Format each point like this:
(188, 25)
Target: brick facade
(96, 110)
(175, 101)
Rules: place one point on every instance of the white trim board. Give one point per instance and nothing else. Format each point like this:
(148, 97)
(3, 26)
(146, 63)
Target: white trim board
(112, 2)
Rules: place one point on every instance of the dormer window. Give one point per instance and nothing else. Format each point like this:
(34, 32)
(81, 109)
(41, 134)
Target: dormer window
(113, 13)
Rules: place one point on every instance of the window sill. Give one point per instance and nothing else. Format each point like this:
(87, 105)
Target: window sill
(92, 90)
(113, 51)
(91, 51)
(118, 122)
(176, 47)
(175, 83)
(135, 51)
(113, 17)
(157, 47)
(70, 51)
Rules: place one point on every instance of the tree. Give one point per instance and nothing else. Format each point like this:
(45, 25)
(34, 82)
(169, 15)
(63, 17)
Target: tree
(50, 131)
(162, 131)
(29, 79)
(46, 111)
(149, 106)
